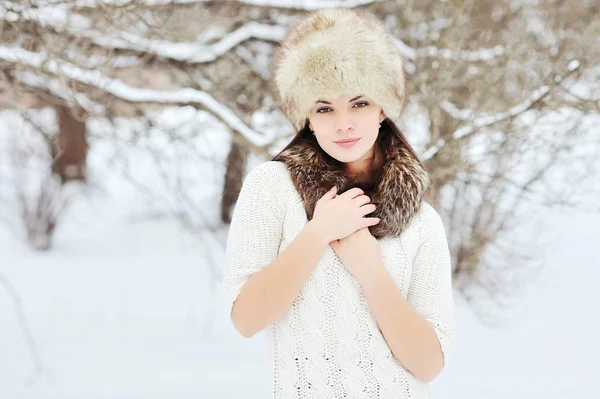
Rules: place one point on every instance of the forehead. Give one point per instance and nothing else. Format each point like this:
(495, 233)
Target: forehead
(341, 98)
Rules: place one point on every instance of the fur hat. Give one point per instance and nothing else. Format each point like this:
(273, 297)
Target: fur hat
(338, 51)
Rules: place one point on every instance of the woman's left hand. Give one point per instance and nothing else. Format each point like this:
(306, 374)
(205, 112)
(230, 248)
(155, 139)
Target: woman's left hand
(359, 252)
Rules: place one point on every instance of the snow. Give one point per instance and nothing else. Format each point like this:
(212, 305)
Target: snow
(118, 312)
(404, 49)
(57, 15)
(484, 54)
(548, 350)
(544, 34)
(455, 112)
(124, 305)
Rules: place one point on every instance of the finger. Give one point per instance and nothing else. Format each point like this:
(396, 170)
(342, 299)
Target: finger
(366, 222)
(362, 199)
(331, 193)
(366, 209)
(353, 192)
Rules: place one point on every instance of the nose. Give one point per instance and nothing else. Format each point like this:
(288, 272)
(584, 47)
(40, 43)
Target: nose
(343, 123)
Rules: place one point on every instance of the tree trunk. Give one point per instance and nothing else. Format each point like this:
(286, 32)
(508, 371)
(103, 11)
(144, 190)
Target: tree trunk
(234, 176)
(69, 151)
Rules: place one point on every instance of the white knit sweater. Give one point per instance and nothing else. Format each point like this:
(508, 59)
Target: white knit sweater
(328, 344)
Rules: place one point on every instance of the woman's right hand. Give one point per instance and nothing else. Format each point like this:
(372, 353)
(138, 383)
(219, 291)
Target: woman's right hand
(341, 215)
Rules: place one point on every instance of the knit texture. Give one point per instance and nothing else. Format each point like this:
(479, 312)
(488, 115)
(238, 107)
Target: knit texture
(328, 344)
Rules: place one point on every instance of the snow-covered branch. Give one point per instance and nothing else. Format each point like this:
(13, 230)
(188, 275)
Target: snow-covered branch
(58, 89)
(128, 93)
(52, 14)
(308, 4)
(482, 121)
(484, 54)
(292, 4)
(457, 113)
(190, 52)
(60, 19)
(404, 49)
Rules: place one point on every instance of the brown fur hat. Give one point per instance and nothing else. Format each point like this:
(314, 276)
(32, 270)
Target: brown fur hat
(338, 51)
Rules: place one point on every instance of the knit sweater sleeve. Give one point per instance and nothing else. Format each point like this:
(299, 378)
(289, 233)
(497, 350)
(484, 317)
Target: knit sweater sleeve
(430, 292)
(255, 230)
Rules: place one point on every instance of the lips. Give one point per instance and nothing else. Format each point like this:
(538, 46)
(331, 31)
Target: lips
(347, 142)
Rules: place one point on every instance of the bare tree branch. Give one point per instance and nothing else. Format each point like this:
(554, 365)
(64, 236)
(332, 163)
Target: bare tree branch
(477, 123)
(39, 367)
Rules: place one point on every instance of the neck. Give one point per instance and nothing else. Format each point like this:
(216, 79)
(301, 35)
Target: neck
(360, 168)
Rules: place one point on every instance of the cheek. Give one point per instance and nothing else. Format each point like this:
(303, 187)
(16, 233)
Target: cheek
(321, 124)
(370, 127)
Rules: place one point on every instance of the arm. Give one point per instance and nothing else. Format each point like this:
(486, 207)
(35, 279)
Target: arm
(269, 293)
(419, 329)
(261, 284)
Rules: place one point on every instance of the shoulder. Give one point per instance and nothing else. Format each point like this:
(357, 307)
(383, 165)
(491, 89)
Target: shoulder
(269, 175)
(428, 221)
(268, 170)
(268, 181)
(428, 212)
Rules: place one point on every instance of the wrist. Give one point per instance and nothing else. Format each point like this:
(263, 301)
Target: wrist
(374, 275)
(317, 231)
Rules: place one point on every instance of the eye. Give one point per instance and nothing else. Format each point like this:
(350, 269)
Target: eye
(362, 104)
(321, 109)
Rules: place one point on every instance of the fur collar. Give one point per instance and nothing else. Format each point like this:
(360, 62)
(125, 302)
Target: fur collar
(397, 194)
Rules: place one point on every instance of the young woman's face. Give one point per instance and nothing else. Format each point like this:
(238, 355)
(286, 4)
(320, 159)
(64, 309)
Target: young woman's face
(334, 120)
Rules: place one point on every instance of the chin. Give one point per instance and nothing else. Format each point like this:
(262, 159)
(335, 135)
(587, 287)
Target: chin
(347, 155)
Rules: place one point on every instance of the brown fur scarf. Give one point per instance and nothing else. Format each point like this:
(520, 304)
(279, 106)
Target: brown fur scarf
(397, 188)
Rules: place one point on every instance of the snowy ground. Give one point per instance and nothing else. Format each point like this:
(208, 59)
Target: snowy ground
(118, 309)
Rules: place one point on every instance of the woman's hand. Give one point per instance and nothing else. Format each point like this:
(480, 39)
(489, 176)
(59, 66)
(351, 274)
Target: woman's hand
(359, 252)
(338, 216)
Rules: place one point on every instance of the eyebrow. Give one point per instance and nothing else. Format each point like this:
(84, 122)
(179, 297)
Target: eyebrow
(355, 98)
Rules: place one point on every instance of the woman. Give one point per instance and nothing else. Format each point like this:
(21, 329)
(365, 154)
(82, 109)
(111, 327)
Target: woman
(332, 249)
